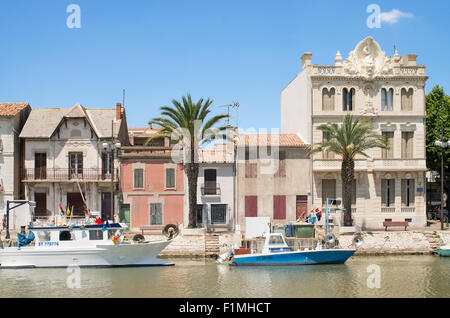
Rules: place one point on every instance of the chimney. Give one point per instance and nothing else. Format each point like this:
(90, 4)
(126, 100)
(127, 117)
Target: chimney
(306, 59)
(410, 59)
(118, 111)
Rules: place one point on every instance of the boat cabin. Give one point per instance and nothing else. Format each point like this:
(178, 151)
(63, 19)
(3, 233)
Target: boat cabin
(274, 243)
(77, 235)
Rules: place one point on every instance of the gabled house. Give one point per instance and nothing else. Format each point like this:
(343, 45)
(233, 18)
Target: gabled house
(68, 161)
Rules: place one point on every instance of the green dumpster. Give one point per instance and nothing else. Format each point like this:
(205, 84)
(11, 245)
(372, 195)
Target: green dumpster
(304, 230)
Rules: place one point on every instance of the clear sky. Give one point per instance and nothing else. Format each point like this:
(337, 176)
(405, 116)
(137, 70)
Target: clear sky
(233, 50)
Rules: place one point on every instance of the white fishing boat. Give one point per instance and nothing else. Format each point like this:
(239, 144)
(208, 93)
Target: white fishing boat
(88, 245)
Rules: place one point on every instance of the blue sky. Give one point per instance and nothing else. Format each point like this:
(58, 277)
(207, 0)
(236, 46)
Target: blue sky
(243, 50)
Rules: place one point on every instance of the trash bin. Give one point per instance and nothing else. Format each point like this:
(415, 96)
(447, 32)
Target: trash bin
(304, 230)
(290, 230)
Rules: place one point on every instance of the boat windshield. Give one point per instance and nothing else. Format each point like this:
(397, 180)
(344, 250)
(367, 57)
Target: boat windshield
(276, 240)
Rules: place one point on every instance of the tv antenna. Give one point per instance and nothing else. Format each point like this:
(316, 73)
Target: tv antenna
(234, 105)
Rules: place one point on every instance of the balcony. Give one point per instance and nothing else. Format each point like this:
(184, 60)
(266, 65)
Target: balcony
(399, 164)
(69, 175)
(210, 189)
(330, 165)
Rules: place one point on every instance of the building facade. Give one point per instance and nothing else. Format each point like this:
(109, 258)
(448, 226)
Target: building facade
(273, 178)
(12, 119)
(215, 189)
(68, 161)
(152, 183)
(388, 91)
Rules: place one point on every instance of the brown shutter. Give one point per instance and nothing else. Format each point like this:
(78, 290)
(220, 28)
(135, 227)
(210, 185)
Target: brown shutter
(251, 206)
(279, 207)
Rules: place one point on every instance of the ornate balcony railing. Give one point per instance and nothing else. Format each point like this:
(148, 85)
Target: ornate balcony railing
(66, 174)
(399, 164)
(335, 164)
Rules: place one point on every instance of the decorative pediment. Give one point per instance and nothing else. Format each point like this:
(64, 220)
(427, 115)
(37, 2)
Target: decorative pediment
(368, 60)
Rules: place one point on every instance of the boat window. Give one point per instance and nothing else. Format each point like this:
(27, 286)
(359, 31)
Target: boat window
(43, 236)
(276, 240)
(95, 235)
(65, 236)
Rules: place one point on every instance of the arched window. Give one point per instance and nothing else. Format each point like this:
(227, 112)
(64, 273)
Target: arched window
(407, 99)
(328, 99)
(348, 99)
(387, 96)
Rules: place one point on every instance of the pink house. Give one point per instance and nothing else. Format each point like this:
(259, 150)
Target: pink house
(151, 184)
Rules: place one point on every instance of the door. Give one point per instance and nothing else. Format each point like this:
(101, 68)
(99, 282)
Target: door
(210, 181)
(76, 165)
(124, 215)
(41, 204)
(106, 206)
(40, 166)
(75, 203)
(301, 207)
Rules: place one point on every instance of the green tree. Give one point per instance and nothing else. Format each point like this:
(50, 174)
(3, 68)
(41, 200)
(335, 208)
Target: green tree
(353, 137)
(437, 128)
(187, 123)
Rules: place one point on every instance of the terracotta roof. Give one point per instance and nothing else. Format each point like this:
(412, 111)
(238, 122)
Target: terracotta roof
(11, 109)
(281, 140)
(215, 156)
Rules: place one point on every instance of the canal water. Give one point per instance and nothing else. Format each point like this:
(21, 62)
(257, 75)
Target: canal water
(360, 276)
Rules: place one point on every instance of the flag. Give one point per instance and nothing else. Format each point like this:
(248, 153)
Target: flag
(104, 226)
(60, 209)
(99, 221)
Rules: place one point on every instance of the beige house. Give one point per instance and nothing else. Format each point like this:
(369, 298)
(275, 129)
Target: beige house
(66, 162)
(273, 174)
(390, 92)
(12, 119)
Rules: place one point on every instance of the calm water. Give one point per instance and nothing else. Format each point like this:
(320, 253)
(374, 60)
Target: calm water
(401, 276)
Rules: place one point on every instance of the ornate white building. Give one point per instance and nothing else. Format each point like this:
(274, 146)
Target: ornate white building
(390, 92)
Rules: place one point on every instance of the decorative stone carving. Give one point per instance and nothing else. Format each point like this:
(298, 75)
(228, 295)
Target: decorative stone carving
(369, 109)
(368, 60)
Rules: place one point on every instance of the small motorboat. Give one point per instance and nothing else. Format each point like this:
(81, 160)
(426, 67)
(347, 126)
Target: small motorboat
(444, 250)
(276, 252)
(84, 245)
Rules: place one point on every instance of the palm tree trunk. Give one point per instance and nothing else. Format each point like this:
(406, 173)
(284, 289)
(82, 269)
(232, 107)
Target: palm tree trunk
(347, 176)
(192, 175)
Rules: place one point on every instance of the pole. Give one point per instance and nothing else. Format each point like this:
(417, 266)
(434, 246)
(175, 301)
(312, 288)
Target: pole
(7, 219)
(326, 216)
(442, 188)
(112, 169)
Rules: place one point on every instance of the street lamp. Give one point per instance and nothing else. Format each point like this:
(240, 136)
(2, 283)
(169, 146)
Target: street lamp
(111, 147)
(442, 145)
(8, 208)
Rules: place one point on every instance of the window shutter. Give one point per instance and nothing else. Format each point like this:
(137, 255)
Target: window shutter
(383, 99)
(391, 192)
(251, 206)
(279, 207)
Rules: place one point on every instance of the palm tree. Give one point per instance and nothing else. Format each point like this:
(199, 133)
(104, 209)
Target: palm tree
(353, 137)
(186, 123)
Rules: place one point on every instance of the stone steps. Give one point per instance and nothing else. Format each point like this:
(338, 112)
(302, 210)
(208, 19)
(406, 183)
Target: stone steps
(212, 248)
(434, 240)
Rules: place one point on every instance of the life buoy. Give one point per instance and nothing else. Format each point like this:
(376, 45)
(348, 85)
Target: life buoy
(330, 239)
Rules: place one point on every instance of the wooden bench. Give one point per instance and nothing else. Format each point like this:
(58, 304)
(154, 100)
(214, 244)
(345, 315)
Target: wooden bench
(399, 223)
(152, 229)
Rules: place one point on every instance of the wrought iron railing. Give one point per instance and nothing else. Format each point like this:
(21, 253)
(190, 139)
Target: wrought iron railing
(67, 174)
(210, 189)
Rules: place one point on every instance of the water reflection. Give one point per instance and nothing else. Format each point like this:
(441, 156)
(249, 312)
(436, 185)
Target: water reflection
(401, 276)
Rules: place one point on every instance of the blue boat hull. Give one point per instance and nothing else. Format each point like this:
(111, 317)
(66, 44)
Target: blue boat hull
(331, 256)
(443, 252)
